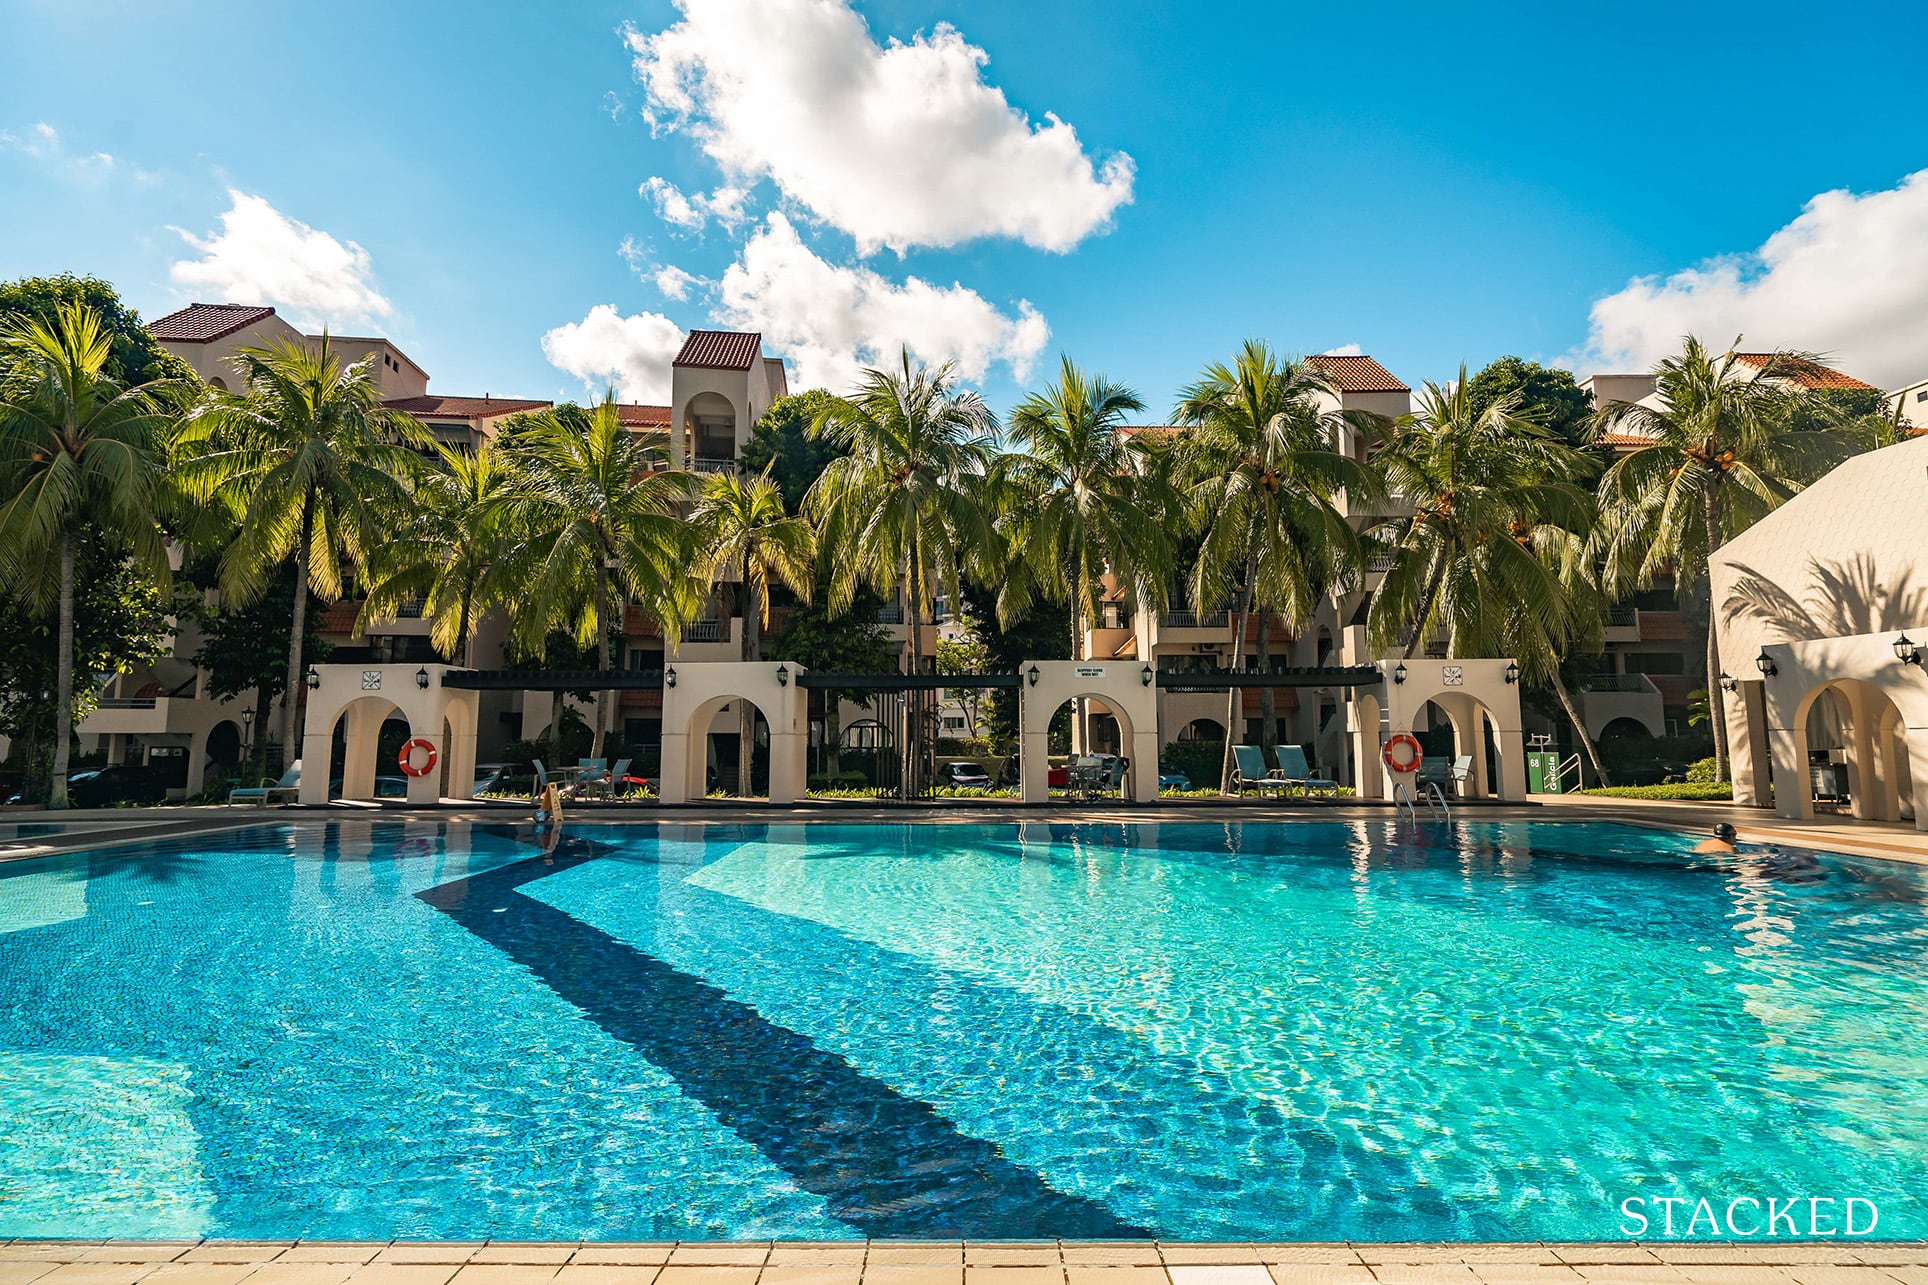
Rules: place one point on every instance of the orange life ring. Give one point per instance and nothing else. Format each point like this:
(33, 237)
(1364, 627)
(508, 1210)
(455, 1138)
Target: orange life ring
(1401, 740)
(407, 757)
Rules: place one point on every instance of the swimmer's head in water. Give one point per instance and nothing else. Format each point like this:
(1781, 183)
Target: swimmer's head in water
(1724, 831)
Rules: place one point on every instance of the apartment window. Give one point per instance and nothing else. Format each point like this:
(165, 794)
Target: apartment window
(1655, 662)
(952, 723)
(1922, 396)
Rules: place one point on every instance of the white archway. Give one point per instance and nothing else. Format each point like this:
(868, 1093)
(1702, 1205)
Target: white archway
(1469, 692)
(693, 693)
(1121, 686)
(361, 696)
(1885, 708)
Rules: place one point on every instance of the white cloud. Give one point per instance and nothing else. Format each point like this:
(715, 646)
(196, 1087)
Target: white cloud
(674, 282)
(691, 212)
(1848, 277)
(606, 348)
(898, 145)
(831, 320)
(43, 143)
(262, 256)
(1344, 350)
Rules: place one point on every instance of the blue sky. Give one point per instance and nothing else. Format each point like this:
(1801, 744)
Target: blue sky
(1433, 184)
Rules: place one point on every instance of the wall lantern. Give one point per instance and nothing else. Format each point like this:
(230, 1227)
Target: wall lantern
(1765, 663)
(1729, 683)
(1906, 651)
(1512, 672)
(421, 678)
(1399, 674)
(1148, 674)
(314, 679)
(783, 675)
(1033, 674)
(669, 677)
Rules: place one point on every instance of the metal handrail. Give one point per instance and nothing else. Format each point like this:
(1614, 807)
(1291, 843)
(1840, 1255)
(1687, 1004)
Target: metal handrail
(1194, 620)
(703, 631)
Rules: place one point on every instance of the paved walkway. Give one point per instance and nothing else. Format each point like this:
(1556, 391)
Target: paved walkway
(879, 1262)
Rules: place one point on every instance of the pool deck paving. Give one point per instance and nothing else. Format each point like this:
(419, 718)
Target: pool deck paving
(886, 1262)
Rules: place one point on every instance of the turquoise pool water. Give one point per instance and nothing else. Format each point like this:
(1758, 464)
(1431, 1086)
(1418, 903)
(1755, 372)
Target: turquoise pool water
(1291, 1031)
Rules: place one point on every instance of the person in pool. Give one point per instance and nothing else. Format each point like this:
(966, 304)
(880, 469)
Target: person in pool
(1723, 840)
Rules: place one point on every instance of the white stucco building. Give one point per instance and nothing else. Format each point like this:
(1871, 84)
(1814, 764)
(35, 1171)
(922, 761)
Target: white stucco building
(1819, 608)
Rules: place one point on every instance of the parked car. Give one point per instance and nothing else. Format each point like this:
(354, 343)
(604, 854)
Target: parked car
(964, 776)
(494, 777)
(104, 787)
(1170, 778)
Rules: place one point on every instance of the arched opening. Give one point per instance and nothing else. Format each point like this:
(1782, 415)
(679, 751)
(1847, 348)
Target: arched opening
(1624, 728)
(1109, 744)
(1459, 738)
(363, 745)
(1324, 645)
(1853, 747)
(715, 741)
(1202, 729)
(710, 422)
(218, 382)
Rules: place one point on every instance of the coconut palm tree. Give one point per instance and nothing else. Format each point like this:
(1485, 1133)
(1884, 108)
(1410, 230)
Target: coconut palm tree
(1082, 501)
(309, 466)
(594, 513)
(447, 550)
(1260, 471)
(1731, 442)
(1473, 479)
(742, 534)
(80, 455)
(906, 502)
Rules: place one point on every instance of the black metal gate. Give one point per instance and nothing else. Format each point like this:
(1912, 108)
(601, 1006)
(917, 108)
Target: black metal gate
(905, 706)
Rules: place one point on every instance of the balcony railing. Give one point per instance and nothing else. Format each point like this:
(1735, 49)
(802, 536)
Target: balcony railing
(128, 702)
(410, 610)
(1193, 620)
(1380, 563)
(1617, 683)
(1624, 617)
(891, 615)
(703, 631)
(712, 464)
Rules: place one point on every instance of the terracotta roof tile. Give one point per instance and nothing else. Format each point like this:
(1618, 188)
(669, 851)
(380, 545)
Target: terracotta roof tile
(637, 416)
(202, 323)
(1808, 374)
(464, 407)
(339, 618)
(1358, 374)
(1157, 430)
(720, 350)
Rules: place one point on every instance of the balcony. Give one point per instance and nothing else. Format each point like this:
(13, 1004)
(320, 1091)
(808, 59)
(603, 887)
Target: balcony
(712, 464)
(130, 716)
(1194, 620)
(1394, 505)
(1623, 624)
(1609, 698)
(706, 631)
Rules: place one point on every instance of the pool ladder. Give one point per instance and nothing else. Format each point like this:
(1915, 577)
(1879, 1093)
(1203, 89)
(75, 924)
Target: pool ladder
(1435, 801)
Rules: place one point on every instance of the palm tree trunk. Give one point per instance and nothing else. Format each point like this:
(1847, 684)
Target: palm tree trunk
(746, 721)
(914, 735)
(462, 624)
(1434, 579)
(603, 659)
(1268, 698)
(289, 747)
(1580, 728)
(1716, 702)
(1080, 707)
(1235, 697)
(832, 729)
(64, 677)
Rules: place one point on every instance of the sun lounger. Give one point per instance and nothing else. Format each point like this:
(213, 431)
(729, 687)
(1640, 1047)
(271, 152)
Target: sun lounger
(1294, 770)
(286, 790)
(1250, 772)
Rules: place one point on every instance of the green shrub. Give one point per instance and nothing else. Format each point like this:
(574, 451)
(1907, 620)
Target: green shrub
(1199, 760)
(1704, 772)
(1694, 791)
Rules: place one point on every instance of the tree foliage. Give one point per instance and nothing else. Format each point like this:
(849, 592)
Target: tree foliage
(1546, 394)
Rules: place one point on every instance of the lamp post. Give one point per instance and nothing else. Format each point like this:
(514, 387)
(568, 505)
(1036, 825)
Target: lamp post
(247, 733)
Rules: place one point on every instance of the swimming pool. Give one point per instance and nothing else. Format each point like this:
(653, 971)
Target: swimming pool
(1306, 1031)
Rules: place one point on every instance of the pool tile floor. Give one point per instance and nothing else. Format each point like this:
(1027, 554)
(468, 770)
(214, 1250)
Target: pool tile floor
(32, 1262)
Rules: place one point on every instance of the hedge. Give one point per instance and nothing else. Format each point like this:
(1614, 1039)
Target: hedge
(1693, 791)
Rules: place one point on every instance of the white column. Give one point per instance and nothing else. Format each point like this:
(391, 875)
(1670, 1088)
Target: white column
(1144, 766)
(1793, 795)
(1918, 770)
(673, 787)
(1747, 743)
(789, 753)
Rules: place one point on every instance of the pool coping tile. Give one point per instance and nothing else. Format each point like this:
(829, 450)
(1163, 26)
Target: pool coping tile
(720, 1253)
(641, 1253)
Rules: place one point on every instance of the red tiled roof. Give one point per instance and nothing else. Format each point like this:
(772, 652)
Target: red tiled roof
(1358, 374)
(202, 323)
(340, 617)
(1162, 430)
(720, 350)
(637, 416)
(1629, 440)
(464, 407)
(1808, 374)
